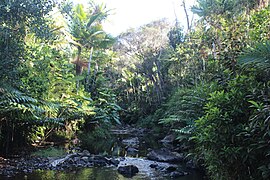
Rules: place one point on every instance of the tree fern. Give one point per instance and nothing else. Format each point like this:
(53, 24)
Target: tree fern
(12, 100)
(184, 107)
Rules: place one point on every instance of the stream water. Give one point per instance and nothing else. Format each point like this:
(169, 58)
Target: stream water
(116, 147)
(91, 174)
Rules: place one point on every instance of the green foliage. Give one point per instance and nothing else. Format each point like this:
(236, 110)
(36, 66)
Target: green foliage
(176, 36)
(13, 100)
(16, 18)
(49, 152)
(106, 108)
(142, 69)
(206, 8)
(35, 58)
(219, 136)
(184, 107)
(97, 139)
(259, 25)
(259, 55)
(19, 113)
(85, 26)
(257, 136)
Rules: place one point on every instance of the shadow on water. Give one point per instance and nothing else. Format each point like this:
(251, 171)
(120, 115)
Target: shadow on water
(115, 146)
(89, 174)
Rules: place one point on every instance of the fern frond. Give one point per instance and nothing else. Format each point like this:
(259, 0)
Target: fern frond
(169, 120)
(260, 56)
(187, 130)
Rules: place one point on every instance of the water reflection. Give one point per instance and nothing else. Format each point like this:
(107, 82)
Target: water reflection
(89, 174)
(112, 147)
(115, 147)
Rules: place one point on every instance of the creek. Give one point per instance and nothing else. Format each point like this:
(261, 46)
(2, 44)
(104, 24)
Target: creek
(128, 147)
(97, 173)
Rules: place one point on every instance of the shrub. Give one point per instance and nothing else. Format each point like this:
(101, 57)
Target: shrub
(184, 107)
(226, 138)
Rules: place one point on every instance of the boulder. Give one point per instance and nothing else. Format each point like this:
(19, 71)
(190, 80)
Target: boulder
(139, 131)
(177, 174)
(131, 151)
(168, 139)
(191, 164)
(128, 171)
(153, 165)
(132, 142)
(114, 162)
(171, 169)
(100, 161)
(62, 160)
(164, 155)
(86, 153)
(85, 158)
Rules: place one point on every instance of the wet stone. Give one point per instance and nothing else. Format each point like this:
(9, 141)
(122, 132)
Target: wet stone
(114, 162)
(164, 155)
(85, 159)
(171, 169)
(86, 153)
(132, 142)
(128, 171)
(153, 166)
(191, 164)
(76, 159)
(177, 174)
(168, 139)
(132, 151)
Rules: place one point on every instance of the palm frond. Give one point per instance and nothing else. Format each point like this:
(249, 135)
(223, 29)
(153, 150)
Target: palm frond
(259, 55)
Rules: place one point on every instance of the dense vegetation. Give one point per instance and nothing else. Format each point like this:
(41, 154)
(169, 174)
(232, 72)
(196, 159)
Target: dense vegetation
(63, 76)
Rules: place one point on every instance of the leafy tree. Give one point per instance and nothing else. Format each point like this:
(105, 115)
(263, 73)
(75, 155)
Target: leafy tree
(224, 130)
(16, 18)
(142, 67)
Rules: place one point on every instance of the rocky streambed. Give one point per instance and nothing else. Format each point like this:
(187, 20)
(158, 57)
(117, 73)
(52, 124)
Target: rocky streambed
(159, 163)
(127, 166)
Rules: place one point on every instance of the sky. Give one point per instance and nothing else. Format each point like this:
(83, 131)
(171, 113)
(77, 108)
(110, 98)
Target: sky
(127, 14)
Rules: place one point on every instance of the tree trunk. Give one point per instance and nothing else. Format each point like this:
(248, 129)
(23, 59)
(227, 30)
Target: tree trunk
(89, 69)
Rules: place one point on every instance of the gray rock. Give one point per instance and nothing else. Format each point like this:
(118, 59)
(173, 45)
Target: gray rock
(86, 153)
(164, 155)
(100, 161)
(114, 162)
(168, 139)
(191, 164)
(132, 151)
(128, 171)
(85, 158)
(132, 142)
(171, 169)
(139, 131)
(177, 174)
(76, 159)
(153, 165)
